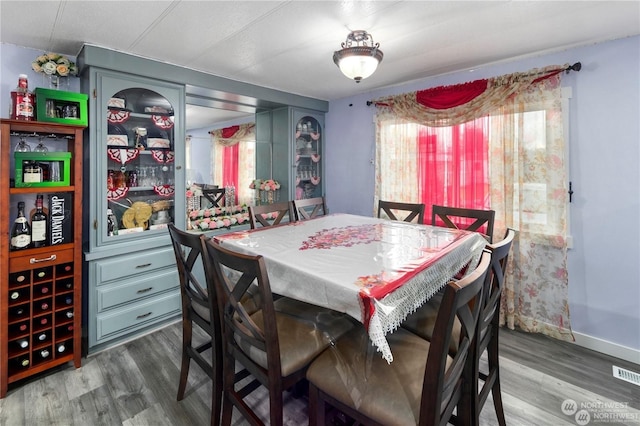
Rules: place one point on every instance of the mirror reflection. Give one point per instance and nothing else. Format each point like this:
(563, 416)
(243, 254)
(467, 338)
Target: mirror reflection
(220, 153)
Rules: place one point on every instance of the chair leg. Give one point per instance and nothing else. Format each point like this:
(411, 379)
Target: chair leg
(217, 385)
(316, 407)
(228, 385)
(494, 367)
(186, 360)
(276, 405)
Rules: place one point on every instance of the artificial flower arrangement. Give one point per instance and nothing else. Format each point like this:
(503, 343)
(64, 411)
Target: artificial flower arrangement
(54, 64)
(269, 185)
(194, 191)
(218, 217)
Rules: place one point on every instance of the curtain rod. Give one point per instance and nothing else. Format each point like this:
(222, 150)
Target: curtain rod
(575, 67)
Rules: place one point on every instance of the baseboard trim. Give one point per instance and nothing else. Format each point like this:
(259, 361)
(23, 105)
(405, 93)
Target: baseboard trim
(608, 348)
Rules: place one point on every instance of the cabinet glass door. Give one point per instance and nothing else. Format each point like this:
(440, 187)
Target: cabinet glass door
(140, 173)
(308, 158)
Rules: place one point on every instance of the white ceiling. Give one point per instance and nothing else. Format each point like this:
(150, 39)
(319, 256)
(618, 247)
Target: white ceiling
(288, 45)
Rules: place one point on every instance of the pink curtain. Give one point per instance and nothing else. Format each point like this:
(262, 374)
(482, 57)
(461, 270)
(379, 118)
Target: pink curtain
(453, 166)
(230, 166)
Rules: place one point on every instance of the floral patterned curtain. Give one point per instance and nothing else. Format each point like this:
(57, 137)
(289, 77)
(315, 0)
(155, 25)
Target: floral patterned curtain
(527, 180)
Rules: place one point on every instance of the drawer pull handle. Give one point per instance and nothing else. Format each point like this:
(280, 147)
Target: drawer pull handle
(143, 315)
(144, 290)
(47, 259)
(144, 265)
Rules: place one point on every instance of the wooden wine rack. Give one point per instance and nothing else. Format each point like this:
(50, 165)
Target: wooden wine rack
(40, 288)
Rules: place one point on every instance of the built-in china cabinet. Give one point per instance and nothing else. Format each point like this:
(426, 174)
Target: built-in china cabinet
(135, 177)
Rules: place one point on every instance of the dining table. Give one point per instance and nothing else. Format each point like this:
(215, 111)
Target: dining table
(378, 271)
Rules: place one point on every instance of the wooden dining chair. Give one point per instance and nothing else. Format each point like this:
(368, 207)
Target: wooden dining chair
(308, 208)
(274, 344)
(488, 329)
(199, 307)
(460, 218)
(278, 211)
(392, 209)
(422, 323)
(422, 385)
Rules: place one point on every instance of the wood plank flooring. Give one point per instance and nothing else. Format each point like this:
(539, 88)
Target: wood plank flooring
(135, 384)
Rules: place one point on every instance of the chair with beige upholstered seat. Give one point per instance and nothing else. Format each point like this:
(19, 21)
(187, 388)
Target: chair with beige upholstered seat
(422, 321)
(469, 219)
(275, 344)
(308, 208)
(422, 385)
(407, 212)
(276, 211)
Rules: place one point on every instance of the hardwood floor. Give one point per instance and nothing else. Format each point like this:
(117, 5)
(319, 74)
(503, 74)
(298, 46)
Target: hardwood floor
(136, 384)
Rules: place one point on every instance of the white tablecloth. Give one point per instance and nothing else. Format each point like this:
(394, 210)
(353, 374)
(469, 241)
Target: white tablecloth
(377, 271)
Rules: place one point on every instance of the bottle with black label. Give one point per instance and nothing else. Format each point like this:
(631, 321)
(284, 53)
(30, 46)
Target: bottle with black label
(39, 225)
(21, 231)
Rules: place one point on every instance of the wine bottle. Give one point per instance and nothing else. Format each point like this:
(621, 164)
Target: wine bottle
(18, 312)
(42, 336)
(68, 300)
(44, 353)
(21, 231)
(44, 289)
(22, 362)
(15, 295)
(44, 306)
(22, 343)
(39, 225)
(69, 314)
(44, 321)
(60, 347)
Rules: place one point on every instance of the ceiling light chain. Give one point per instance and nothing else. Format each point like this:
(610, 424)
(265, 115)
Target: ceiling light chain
(357, 59)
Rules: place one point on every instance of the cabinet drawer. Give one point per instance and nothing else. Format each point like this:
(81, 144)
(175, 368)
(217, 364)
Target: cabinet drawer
(130, 318)
(132, 264)
(113, 295)
(48, 258)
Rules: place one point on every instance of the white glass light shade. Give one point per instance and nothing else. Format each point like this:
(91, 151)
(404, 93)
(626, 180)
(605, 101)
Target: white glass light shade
(358, 67)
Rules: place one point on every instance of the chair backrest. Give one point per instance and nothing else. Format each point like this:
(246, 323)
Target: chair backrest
(443, 383)
(493, 285)
(460, 218)
(277, 212)
(308, 208)
(195, 295)
(415, 211)
(235, 275)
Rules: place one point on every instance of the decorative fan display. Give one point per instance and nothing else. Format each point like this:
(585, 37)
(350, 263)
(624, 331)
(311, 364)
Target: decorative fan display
(117, 193)
(164, 190)
(162, 156)
(162, 121)
(116, 154)
(117, 115)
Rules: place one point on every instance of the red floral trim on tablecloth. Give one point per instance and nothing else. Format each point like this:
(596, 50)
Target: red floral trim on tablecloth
(116, 154)
(117, 193)
(117, 115)
(162, 121)
(162, 156)
(164, 190)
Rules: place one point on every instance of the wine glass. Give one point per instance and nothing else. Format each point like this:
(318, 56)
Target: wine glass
(23, 146)
(41, 147)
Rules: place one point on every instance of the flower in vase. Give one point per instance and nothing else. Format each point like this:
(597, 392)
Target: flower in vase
(270, 185)
(54, 64)
(255, 184)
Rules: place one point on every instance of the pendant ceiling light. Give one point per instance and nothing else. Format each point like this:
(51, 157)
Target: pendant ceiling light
(359, 56)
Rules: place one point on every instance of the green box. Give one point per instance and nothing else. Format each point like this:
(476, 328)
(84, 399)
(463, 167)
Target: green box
(63, 160)
(52, 106)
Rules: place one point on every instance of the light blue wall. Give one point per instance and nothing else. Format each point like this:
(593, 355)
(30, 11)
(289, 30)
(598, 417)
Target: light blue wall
(604, 264)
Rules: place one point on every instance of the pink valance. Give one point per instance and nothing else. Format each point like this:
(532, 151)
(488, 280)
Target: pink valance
(444, 97)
